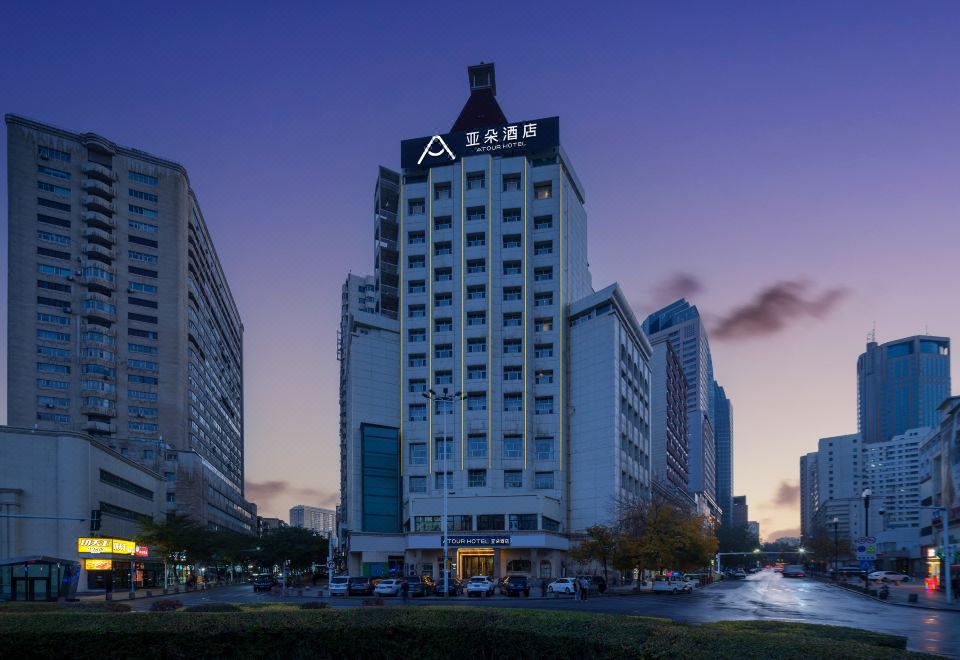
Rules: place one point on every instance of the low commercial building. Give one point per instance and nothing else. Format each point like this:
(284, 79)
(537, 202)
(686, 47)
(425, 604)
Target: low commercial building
(51, 483)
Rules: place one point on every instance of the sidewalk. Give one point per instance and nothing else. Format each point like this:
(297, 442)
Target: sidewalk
(900, 595)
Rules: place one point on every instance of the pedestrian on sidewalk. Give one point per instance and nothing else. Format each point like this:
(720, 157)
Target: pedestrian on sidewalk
(405, 590)
(543, 588)
(584, 588)
(576, 589)
(955, 585)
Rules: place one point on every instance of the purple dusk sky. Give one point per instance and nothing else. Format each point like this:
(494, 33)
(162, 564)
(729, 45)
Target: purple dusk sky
(807, 150)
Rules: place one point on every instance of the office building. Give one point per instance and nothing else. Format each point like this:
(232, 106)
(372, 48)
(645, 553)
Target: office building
(753, 529)
(268, 525)
(314, 518)
(45, 517)
(485, 303)
(739, 514)
(941, 488)
(679, 323)
(840, 484)
(809, 495)
(900, 385)
(668, 428)
(121, 323)
(723, 439)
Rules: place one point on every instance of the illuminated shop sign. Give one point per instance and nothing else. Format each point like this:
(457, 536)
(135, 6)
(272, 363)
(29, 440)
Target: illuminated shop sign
(98, 564)
(91, 546)
(143, 551)
(537, 135)
(473, 540)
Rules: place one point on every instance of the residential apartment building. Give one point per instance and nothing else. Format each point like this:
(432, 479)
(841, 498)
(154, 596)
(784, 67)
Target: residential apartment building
(900, 385)
(840, 484)
(482, 240)
(668, 428)
(680, 324)
(723, 439)
(322, 521)
(121, 323)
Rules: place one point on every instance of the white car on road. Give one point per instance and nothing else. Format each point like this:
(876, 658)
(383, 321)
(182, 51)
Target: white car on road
(338, 585)
(671, 586)
(562, 586)
(388, 587)
(480, 585)
(889, 576)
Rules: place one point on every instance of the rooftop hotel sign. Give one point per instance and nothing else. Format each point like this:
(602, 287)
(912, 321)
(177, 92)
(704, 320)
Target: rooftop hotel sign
(516, 139)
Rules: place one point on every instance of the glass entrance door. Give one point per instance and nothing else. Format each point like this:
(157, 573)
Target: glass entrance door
(476, 564)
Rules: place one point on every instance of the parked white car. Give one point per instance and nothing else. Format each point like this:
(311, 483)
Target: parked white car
(480, 585)
(889, 576)
(562, 586)
(671, 586)
(389, 587)
(338, 585)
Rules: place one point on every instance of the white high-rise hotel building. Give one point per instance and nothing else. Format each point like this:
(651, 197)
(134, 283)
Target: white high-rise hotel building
(483, 289)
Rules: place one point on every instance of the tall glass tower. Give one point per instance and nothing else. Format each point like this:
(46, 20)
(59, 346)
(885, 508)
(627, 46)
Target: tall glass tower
(900, 384)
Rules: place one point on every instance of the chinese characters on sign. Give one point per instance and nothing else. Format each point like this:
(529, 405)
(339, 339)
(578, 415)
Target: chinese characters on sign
(515, 139)
(96, 546)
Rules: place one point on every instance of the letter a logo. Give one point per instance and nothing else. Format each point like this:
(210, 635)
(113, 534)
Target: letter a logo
(443, 148)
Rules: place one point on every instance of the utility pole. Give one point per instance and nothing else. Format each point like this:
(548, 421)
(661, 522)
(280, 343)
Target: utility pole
(449, 398)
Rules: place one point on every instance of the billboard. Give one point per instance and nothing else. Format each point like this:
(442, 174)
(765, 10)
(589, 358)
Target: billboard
(97, 546)
(98, 564)
(513, 139)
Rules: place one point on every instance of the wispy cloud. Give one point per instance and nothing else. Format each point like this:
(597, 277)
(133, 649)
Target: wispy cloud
(788, 494)
(678, 285)
(792, 532)
(774, 308)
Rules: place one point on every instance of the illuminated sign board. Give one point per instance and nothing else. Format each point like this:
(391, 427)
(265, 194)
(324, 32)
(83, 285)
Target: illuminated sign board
(533, 136)
(143, 551)
(98, 564)
(121, 547)
(94, 546)
(91, 546)
(477, 540)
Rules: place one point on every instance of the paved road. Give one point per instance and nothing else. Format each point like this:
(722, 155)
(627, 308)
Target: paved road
(764, 596)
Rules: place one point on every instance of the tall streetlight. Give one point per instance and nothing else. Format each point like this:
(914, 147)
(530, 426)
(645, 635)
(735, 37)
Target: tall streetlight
(449, 398)
(836, 547)
(866, 511)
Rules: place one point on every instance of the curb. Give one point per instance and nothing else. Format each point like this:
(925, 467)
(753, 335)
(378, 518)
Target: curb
(887, 602)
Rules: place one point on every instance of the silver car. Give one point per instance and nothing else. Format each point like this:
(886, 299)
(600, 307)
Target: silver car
(338, 585)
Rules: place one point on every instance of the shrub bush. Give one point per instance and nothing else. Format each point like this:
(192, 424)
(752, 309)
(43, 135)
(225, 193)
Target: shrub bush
(313, 605)
(212, 607)
(116, 607)
(166, 605)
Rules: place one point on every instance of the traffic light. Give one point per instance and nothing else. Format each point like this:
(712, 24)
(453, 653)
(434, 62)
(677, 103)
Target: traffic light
(95, 520)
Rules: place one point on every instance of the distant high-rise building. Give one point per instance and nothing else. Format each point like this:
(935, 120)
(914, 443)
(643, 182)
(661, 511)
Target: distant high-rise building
(313, 518)
(121, 322)
(809, 495)
(668, 426)
(723, 438)
(900, 385)
(753, 528)
(680, 324)
(739, 514)
(840, 485)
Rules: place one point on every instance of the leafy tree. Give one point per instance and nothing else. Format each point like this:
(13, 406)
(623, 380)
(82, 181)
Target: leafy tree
(301, 547)
(599, 544)
(657, 535)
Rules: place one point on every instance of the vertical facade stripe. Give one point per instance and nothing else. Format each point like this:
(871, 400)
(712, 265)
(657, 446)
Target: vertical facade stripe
(402, 281)
(526, 318)
(463, 312)
(430, 316)
(562, 322)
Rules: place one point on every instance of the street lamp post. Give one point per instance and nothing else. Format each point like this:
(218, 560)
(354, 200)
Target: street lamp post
(836, 548)
(449, 398)
(866, 532)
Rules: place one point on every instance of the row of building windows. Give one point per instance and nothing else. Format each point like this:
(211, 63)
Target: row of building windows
(477, 345)
(510, 373)
(478, 479)
(476, 447)
(511, 183)
(512, 402)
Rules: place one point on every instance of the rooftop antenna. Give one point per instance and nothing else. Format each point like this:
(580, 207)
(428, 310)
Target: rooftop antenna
(872, 335)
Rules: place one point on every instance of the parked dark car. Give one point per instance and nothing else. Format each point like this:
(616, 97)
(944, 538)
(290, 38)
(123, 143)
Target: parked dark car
(360, 586)
(514, 585)
(454, 587)
(421, 585)
(262, 582)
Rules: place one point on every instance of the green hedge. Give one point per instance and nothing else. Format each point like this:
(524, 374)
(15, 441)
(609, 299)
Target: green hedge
(423, 633)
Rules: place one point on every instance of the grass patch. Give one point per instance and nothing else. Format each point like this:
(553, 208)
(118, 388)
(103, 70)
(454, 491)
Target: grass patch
(423, 633)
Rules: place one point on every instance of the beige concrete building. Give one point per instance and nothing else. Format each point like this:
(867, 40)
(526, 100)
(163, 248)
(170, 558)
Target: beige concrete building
(50, 481)
(121, 322)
